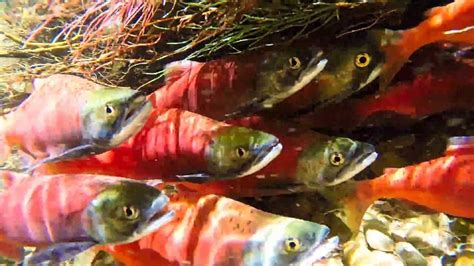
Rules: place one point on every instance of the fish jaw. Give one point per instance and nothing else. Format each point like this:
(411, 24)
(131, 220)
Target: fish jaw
(155, 217)
(132, 123)
(368, 156)
(269, 153)
(318, 252)
(315, 67)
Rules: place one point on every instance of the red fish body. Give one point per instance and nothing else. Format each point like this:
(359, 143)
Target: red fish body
(451, 23)
(299, 164)
(445, 184)
(171, 142)
(211, 89)
(212, 230)
(49, 127)
(39, 211)
(239, 84)
(80, 117)
(428, 94)
(174, 142)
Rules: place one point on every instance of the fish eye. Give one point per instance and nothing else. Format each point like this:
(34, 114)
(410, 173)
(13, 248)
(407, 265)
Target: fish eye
(362, 60)
(295, 62)
(109, 109)
(241, 152)
(292, 245)
(336, 159)
(131, 212)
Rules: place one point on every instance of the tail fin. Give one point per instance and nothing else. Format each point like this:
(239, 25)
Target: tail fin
(397, 49)
(354, 203)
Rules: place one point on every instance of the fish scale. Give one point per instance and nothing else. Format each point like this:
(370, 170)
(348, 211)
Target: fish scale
(35, 229)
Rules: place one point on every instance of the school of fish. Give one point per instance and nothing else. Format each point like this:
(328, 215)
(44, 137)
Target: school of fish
(158, 178)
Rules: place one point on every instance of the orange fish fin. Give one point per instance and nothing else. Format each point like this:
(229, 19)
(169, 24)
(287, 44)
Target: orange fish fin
(389, 170)
(438, 10)
(354, 205)
(396, 55)
(460, 144)
(175, 70)
(9, 178)
(11, 251)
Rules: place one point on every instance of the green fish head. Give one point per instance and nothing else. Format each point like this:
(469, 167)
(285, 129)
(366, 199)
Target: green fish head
(328, 163)
(283, 72)
(125, 212)
(239, 151)
(353, 63)
(287, 241)
(112, 115)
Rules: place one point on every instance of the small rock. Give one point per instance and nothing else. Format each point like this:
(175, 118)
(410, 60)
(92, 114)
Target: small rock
(466, 259)
(433, 261)
(409, 254)
(379, 258)
(436, 242)
(399, 230)
(379, 241)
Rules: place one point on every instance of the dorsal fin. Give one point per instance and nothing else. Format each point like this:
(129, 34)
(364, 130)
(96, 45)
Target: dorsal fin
(9, 178)
(175, 70)
(460, 144)
(389, 170)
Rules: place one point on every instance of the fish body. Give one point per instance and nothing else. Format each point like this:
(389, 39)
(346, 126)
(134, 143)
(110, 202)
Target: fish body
(307, 162)
(451, 23)
(353, 63)
(428, 93)
(63, 215)
(239, 84)
(445, 184)
(184, 145)
(213, 230)
(80, 117)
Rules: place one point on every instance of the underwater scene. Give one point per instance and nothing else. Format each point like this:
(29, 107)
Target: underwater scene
(237, 132)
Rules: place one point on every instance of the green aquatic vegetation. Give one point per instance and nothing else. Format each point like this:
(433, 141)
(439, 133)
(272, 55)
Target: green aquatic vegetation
(129, 42)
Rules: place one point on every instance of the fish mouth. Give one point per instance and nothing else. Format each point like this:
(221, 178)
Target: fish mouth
(368, 156)
(318, 251)
(373, 75)
(134, 120)
(154, 218)
(266, 154)
(315, 66)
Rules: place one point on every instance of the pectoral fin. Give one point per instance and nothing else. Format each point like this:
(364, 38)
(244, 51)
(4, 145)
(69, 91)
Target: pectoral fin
(68, 154)
(58, 252)
(195, 178)
(250, 107)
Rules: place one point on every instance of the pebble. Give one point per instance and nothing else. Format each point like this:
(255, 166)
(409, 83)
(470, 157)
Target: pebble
(433, 261)
(409, 254)
(379, 241)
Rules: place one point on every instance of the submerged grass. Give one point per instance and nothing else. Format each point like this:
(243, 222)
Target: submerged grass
(128, 43)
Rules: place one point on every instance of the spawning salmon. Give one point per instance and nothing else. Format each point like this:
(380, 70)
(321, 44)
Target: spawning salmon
(453, 22)
(308, 161)
(63, 215)
(239, 84)
(80, 118)
(447, 85)
(184, 145)
(213, 230)
(444, 184)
